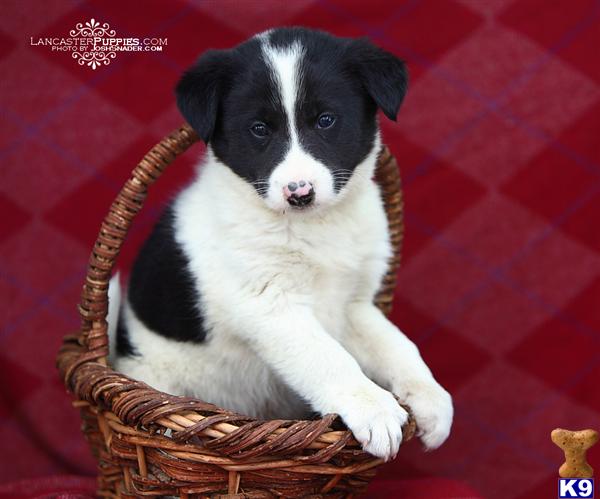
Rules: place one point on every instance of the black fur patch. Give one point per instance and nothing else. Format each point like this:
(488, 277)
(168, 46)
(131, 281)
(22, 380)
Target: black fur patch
(161, 290)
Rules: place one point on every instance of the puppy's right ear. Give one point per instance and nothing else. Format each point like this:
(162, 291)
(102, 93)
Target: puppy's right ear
(200, 89)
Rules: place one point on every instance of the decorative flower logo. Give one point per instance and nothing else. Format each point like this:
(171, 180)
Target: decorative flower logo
(93, 58)
(93, 28)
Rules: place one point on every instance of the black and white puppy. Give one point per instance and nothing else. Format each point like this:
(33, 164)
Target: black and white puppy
(255, 290)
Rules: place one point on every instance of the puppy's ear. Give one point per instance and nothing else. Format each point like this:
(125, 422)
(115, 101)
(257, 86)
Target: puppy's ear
(200, 90)
(383, 75)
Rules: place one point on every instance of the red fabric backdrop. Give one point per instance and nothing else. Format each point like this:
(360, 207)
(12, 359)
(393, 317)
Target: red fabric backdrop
(498, 144)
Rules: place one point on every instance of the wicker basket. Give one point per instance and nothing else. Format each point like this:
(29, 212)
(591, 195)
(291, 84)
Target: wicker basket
(149, 443)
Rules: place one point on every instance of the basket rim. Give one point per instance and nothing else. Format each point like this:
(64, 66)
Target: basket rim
(125, 404)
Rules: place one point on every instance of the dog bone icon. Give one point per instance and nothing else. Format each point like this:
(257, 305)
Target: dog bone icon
(575, 444)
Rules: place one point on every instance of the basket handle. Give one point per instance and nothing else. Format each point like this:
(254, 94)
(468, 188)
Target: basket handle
(93, 307)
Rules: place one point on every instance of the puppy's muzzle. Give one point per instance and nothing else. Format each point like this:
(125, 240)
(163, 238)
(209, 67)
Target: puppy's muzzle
(299, 194)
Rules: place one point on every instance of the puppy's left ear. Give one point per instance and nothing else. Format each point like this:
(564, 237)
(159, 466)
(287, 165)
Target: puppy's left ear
(383, 75)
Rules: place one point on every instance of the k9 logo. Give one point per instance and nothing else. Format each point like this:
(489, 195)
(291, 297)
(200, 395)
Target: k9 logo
(576, 487)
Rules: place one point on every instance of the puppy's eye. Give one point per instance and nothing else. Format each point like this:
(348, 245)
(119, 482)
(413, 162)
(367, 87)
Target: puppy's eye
(326, 120)
(259, 129)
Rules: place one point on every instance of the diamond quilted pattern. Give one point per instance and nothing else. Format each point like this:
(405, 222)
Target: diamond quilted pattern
(519, 471)
(525, 392)
(438, 113)
(32, 330)
(499, 152)
(6, 45)
(493, 162)
(265, 15)
(462, 448)
(441, 182)
(15, 394)
(578, 139)
(451, 24)
(374, 21)
(434, 343)
(584, 306)
(131, 20)
(13, 219)
(43, 267)
(25, 19)
(588, 36)
(494, 228)
(486, 50)
(489, 8)
(577, 227)
(455, 280)
(17, 304)
(588, 385)
(54, 179)
(546, 22)
(549, 184)
(194, 33)
(555, 287)
(29, 461)
(84, 143)
(64, 446)
(326, 16)
(134, 71)
(40, 96)
(11, 135)
(546, 353)
(537, 100)
(497, 317)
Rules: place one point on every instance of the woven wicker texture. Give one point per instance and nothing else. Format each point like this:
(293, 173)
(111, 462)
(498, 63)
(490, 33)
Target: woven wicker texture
(149, 443)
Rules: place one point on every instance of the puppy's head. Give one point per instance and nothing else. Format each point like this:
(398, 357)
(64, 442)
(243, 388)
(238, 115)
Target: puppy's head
(292, 111)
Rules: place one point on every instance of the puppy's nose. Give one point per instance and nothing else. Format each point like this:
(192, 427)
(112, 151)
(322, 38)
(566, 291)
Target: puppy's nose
(299, 193)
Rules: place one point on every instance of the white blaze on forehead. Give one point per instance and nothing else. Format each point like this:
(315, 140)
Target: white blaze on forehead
(285, 64)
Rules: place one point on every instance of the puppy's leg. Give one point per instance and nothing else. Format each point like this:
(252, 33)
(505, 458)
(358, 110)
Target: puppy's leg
(390, 358)
(295, 345)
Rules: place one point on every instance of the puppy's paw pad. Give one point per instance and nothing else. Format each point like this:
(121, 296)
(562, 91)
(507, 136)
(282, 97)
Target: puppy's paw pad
(433, 412)
(376, 420)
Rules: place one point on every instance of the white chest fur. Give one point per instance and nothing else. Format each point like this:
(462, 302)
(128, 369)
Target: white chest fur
(237, 250)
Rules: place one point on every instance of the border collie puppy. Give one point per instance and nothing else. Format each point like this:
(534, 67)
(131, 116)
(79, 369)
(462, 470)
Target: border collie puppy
(255, 289)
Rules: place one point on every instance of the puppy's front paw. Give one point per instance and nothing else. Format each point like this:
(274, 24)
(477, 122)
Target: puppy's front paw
(432, 408)
(375, 419)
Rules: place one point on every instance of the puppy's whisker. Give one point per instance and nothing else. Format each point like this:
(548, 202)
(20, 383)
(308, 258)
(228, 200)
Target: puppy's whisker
(347, 174)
